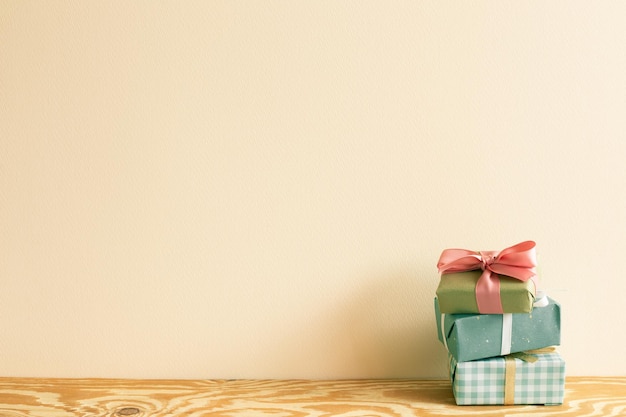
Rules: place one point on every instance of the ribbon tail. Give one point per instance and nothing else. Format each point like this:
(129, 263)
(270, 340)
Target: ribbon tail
(488, 293)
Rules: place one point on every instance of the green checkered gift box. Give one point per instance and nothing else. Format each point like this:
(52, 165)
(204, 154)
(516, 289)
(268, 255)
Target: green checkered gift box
(533, 377)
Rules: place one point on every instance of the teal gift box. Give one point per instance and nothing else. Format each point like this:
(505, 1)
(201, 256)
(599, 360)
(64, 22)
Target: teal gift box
(476, 336)
(508, 380)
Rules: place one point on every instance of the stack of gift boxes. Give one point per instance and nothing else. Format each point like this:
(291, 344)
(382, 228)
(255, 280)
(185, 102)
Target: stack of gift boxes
(500, 331)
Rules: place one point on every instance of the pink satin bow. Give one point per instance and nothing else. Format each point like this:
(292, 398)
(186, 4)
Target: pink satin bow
(518, 261)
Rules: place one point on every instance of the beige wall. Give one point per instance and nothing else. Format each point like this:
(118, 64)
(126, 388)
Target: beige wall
(262, 189)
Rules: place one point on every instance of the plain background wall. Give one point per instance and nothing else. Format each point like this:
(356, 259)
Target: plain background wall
(262, 189)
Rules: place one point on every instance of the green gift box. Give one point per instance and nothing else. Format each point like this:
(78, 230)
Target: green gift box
(507, 380)
(457, 293)
(476, 336)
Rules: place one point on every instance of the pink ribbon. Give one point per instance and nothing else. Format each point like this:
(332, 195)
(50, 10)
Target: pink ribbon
(518, 261)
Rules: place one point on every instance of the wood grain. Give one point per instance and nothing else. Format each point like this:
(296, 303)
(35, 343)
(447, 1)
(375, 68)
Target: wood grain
(20, 397)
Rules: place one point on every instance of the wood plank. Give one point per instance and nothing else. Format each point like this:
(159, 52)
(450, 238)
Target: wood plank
(35, 397)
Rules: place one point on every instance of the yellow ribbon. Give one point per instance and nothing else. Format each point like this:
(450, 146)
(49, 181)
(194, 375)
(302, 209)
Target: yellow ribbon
(509, 370)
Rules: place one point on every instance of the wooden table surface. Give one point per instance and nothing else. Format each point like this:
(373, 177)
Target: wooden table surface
(19, 397)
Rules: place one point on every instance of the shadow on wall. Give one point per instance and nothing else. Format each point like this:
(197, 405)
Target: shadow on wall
(383, 329)
(387, 329)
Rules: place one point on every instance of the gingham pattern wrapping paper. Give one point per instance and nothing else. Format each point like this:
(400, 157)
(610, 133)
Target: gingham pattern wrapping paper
(482, 382)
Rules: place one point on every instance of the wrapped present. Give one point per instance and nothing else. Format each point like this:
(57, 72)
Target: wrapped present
(518, 378)
(487, 282)
(476, 336)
